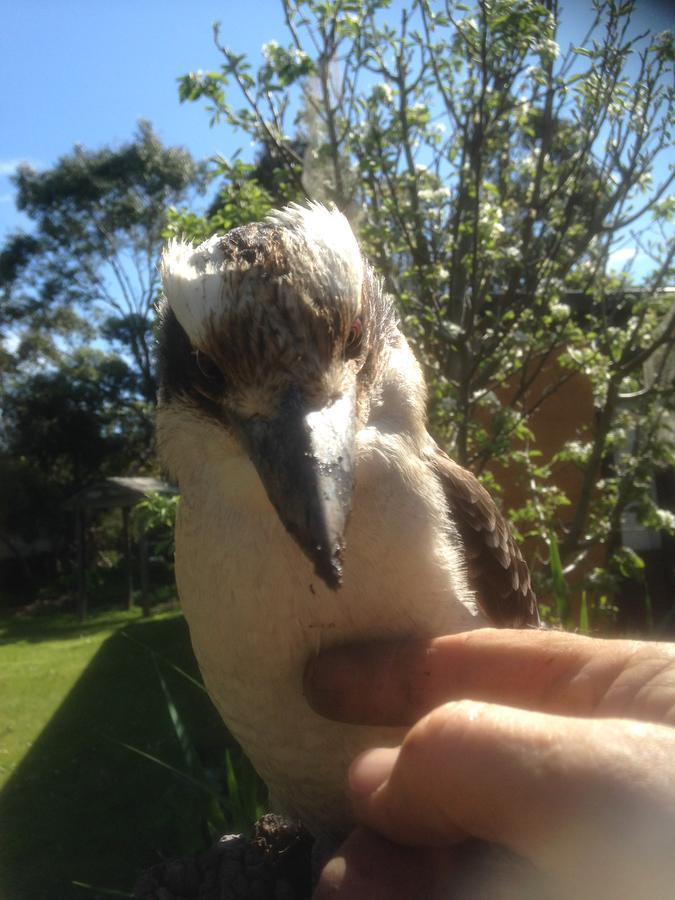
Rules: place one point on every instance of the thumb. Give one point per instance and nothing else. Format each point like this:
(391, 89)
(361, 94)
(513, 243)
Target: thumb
(590, 801)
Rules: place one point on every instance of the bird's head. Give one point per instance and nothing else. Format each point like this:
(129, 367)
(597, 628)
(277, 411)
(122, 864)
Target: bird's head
(277, 331)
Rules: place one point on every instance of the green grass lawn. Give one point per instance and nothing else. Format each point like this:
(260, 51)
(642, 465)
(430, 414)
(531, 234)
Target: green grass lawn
(75, 804)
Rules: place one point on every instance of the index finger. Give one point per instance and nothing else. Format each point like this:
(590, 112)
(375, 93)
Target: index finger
(396, 683)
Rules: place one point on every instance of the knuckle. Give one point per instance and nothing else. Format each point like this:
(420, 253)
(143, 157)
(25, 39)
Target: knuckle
(449, 722)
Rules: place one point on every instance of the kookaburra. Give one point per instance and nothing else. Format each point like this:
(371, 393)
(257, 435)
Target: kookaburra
(315, 508)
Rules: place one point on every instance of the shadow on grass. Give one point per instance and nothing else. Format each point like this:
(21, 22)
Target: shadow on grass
(51, 626)
(80, 807)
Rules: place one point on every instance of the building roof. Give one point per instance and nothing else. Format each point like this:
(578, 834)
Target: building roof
(118, 492)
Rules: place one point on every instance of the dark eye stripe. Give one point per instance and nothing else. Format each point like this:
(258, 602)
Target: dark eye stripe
(207, 367)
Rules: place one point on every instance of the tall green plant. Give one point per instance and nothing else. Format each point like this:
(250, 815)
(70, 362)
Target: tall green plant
(237, 794)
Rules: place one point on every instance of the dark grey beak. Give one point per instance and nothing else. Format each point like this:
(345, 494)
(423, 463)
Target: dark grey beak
(306, 463)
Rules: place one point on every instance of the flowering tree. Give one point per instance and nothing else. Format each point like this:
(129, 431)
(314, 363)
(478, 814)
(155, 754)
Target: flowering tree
(491, 176)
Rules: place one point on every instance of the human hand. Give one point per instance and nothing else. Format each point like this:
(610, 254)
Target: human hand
(557, 747)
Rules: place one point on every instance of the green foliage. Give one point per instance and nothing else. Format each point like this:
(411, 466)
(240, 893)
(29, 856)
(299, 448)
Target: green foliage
(490, 174)
(237, 794)
(73, 419)
(249, 191)
(243, 200)
(245, 801)
(62, 427)
(89, 266)
(584, 616)
(560, 589)
(84, 278)
(155, 516)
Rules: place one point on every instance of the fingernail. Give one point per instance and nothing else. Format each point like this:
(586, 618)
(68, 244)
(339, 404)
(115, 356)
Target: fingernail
(371, 769)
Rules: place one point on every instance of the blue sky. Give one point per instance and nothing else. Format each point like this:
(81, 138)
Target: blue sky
(85, 71)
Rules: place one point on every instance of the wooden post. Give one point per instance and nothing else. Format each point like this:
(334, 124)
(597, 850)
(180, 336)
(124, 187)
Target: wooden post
(81, 526)
(145, 594)
(128, 558)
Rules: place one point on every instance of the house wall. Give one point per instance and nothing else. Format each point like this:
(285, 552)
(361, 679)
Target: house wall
(568, 415)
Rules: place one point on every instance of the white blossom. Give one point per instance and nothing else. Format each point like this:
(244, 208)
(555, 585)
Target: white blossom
(665, 519)
(383, 92)
(548, 47)
(559, 311)
(269, 49)
(578, 451)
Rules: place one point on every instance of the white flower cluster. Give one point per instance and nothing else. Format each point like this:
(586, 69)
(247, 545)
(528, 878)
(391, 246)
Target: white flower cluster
(559, 311)
(491, 217)
(578, 451)
(665, 519)
(269, 49)
(383, 92)
(271, 52)
(547, 47)
(452, 329)
(434, 195)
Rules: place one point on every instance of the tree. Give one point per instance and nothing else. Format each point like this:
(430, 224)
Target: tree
(493, 177)
(89, 267)
(63, 427)
(78, 383)
(248, 191)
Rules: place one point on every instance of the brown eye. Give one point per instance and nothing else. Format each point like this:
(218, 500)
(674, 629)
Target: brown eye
(207, 367)
(353, 343)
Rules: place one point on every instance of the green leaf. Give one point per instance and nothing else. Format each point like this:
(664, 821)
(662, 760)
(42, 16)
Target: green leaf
(560, 588)
(584, 617)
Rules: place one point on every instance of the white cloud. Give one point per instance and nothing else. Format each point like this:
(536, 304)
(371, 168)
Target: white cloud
(640, 264)
(620, 257)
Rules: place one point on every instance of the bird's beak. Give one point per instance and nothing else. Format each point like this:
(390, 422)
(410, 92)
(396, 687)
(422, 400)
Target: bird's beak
(305, 461)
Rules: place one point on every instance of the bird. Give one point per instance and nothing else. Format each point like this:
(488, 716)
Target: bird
(315, 508)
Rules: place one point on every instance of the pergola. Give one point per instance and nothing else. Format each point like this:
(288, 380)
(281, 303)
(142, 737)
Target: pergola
(121, 493)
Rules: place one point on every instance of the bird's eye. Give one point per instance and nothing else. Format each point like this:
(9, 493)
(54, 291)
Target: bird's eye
(207, 367)
(353, 343)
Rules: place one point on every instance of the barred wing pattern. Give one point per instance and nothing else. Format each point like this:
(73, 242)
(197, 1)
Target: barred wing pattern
(497, 571)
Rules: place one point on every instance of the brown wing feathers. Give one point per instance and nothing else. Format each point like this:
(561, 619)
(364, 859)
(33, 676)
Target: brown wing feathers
(497, 571)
